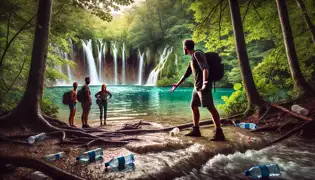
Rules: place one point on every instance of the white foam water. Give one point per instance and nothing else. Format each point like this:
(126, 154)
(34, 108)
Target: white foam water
(295, 163)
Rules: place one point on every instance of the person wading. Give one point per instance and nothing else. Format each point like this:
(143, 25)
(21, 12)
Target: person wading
(202, 94)
(102, 101)
(86, 102)
(73, 103)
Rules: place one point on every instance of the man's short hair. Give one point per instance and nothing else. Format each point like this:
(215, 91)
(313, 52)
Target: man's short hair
(87, 78)
(75, 83)
(190, 44)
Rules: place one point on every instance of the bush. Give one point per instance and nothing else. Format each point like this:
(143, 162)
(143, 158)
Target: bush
(236, 103)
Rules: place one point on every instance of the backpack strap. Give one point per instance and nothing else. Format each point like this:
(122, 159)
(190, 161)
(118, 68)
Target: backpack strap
(213, 86)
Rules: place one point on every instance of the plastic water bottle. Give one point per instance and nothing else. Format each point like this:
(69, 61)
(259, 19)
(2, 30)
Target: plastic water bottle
(300, 110)
(37, 175)
(268, 170)
(34, 138)
(174, 131)
(53, 157)
(91, 155)
(121, 161)
(247, 125)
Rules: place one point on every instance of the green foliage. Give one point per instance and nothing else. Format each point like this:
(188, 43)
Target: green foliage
(236, 103)
(49, 108)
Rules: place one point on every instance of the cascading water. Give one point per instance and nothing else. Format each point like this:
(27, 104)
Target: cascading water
(153, 76)
(87, 47)
(115, 51)
(100, 48)
(123, 52)
(141, 57)
(69, 73)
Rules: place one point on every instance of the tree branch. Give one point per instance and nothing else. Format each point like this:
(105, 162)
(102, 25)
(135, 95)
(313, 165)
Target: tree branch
(213, 9)
(247, 7)
(7, 47)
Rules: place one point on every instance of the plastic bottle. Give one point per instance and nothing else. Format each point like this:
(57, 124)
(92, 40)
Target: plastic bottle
(268, 170)
(300, 110)
(174, 131)
(34, 138)
(91, 155)
(37, 175)
(53, 157)
(120, 161)
(247, 125)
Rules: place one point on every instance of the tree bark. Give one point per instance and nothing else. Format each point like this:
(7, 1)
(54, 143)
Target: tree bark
(253, 96)
(307, 18)
(28, 110)
(297, 76)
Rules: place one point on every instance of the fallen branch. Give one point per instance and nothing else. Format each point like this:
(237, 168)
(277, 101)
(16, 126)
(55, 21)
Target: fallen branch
(293, 131)
(292, 113)
(47, 169)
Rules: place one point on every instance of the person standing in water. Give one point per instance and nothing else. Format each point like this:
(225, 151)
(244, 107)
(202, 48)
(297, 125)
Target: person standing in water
(73, 103)
(202, 94)
(102, 101)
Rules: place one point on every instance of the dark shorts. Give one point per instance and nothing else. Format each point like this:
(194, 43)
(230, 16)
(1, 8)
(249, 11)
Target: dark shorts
(86, 106)
(202, 98)
(72, 105)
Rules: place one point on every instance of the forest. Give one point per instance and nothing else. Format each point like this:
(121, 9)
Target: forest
(267, 48)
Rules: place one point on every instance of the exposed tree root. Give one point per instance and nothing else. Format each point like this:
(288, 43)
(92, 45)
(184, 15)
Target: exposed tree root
(293, 131)
(47, 169)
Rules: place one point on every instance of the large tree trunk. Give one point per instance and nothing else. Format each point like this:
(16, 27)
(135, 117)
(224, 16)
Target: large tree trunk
(297, 76)
(253, 96)
(306, 18)
(28, 110)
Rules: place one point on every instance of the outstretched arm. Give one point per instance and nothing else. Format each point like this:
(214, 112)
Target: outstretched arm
(186, 75)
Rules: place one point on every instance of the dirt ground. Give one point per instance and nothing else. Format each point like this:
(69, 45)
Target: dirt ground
(157, 155)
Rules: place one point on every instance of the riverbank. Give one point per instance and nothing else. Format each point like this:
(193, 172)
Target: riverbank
(157, 155)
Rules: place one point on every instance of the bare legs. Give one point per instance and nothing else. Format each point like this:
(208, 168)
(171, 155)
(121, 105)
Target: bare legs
(215, 117)
(71, 117)
(196, 115)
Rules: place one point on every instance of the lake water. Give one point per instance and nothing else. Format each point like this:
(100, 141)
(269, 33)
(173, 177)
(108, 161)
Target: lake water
(139, 102)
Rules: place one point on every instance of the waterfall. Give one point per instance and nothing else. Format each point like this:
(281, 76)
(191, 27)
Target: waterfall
(115, 50)
(153, 76)
(123, 52)
(87, 47)
(100, 48)
(69, 73)
(141, 57)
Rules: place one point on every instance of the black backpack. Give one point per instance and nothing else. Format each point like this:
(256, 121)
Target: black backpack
(80, 95)
(216, 68)
(66, 98)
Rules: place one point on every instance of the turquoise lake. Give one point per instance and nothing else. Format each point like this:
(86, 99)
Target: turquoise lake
(139, 102)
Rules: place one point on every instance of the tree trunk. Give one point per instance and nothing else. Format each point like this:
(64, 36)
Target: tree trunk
(297, 76)
(253, 96)
(307, 18)
(28, 110)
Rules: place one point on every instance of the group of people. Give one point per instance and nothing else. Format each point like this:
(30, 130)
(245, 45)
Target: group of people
(202, 94)
(86, 103)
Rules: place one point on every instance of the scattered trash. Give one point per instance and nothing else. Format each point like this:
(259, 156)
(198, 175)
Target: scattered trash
(121, 161)
(174, 132)
(300, 110)
(247, 125)
(37, 175)
(126, 168)
(268, 170)
(53, 157)
(247, 138)
(91, 155)
(38, 137)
